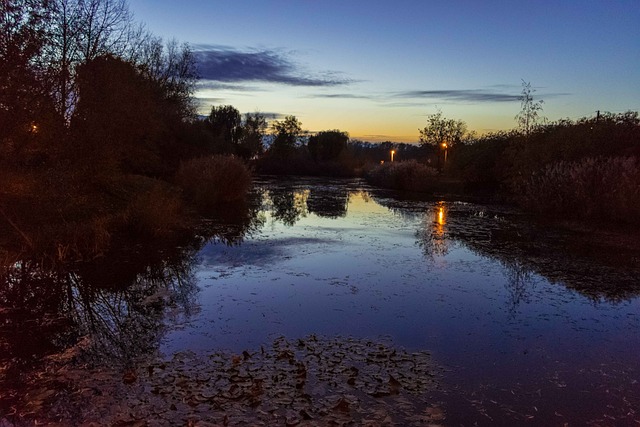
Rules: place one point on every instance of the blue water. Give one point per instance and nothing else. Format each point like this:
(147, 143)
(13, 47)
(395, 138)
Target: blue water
(515, 345)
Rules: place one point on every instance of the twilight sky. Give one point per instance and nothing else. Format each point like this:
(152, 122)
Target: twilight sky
(376, 69)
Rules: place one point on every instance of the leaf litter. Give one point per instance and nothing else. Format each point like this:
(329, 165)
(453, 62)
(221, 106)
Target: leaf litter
(314, 381)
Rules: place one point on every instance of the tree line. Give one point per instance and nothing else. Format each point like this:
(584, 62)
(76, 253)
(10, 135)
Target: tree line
(98, 121)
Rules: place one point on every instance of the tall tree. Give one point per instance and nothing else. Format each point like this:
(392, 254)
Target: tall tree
(327, 145)
(440, 130)
(225, 123)
(442, 134)
(78, 31)
(253, 131)
(119, 122)
(172, 67)
(529, 115)
(286, 134)
(25, 106)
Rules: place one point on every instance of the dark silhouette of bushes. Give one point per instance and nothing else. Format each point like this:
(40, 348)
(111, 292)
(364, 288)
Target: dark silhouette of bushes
(327, 145)
(481, 166)
(406, 176)
(208, 182)
(595, 188)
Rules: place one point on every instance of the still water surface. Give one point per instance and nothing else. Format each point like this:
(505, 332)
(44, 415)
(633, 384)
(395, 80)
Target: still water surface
(529, 324)
(518, 323)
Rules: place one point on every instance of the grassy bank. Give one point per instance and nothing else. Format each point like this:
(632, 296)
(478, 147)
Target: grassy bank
(53, 213)
(586, 170)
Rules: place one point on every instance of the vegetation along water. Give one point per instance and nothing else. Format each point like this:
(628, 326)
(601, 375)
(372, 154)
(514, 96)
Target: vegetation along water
(159, 267)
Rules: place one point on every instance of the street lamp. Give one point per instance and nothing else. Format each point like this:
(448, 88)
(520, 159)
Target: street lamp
(392, 153)
(444, 147)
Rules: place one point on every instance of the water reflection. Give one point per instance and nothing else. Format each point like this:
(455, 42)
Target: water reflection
(287, 205)
(290, 204)
(432, 234)
(112, 310)
(328, 202)
(519, 283)
(358, 272)
(526, 249)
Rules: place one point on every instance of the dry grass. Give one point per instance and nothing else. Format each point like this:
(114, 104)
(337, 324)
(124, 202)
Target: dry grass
(211, 181)
(408, 176)
(155, 211)
(597, 188)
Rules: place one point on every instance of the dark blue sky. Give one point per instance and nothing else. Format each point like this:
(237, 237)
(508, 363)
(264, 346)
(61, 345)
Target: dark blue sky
(376, 69)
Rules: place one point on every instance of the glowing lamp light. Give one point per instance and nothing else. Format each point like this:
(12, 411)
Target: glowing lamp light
(392, 153)
(441, 216)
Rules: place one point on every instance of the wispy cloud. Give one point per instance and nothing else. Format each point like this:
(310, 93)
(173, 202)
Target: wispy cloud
(203, 84)
(229, 65)
(272, 115)
(208, 100)
(341, 96)
(475, 96)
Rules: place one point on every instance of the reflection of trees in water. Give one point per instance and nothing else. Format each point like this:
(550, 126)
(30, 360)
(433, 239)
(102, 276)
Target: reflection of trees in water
(45, 312)
(519, 283)
(432, 235)
(127, 322)
(329, 202)
(115, 305)
(233, 223)
(287, 204)
(48, 310)
(525, 249)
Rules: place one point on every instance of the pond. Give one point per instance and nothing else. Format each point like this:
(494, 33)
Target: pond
(522, 322)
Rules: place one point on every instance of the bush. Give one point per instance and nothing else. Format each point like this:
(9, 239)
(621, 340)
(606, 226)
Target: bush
(407, 176)
(210, 181)
(481, 165)
(594, 189)
(155, 210)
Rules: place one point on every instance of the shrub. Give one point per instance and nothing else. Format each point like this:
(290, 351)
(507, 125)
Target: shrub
(210, 181)
(481, 165)
(155, 210)
(597, 188)
(408, 176)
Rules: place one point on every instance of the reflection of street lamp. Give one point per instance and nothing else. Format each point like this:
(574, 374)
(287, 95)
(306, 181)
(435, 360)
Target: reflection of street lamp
(392, 153)
(441, 216)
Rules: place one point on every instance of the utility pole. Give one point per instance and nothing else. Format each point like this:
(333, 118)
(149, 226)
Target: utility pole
(597, 116)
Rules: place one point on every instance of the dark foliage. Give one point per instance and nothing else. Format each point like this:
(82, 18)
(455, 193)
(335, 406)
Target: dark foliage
(327, 145)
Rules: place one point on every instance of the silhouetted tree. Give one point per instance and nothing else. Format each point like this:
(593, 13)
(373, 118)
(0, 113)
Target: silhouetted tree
(528, 117)
(442, 134)
(440, 130)
(225, 123)
(78, 31)
(120, 122)
(327, 145)
(253, 131)
(26, 112)
(173, 69)
(286, 134)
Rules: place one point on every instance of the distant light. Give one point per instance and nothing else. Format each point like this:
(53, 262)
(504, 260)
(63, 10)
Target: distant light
(392, 153)
(34, 128)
